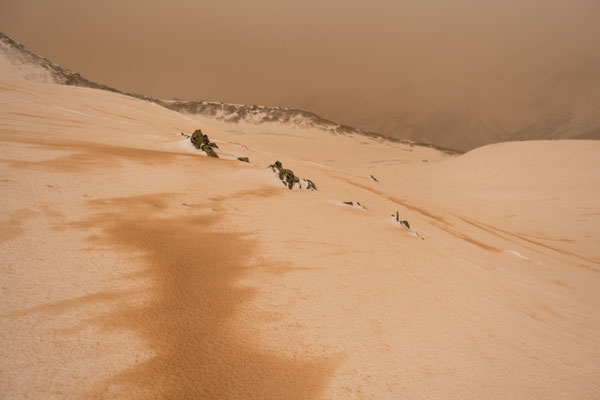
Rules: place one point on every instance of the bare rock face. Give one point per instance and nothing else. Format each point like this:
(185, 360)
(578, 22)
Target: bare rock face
(243, 159)
(401, 221)
(201, 142)
(289, 179)
(351, 203)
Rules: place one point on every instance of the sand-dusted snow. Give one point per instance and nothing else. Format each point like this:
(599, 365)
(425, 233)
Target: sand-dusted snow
(132, 266)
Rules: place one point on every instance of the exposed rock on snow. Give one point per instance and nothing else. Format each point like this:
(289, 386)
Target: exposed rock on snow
(201, 141)
(402, 222)
(289, 179)
(351, 203)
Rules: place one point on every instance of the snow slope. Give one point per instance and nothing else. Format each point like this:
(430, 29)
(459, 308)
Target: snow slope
(135, 267)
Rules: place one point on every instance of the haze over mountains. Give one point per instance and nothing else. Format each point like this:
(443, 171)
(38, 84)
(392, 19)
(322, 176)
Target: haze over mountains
(458, 74)
(557, 104)
(18, 62)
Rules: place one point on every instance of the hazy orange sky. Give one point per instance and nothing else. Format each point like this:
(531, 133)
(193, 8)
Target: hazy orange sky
(266, 50)
(391, 66)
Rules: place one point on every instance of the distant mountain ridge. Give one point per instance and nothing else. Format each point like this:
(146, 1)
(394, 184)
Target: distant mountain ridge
(36, 68)
(33, 67)
(555, 102)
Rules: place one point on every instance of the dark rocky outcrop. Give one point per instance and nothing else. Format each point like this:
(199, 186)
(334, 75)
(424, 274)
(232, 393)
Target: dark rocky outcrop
(311, 185)
(406, 225)
(351, 203)
(201, 141)
(289, 179)
(286, 175)
(402, 222)
(243, 159)
(375, 179)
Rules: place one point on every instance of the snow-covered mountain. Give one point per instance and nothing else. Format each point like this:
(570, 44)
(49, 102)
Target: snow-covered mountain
(20, 62)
